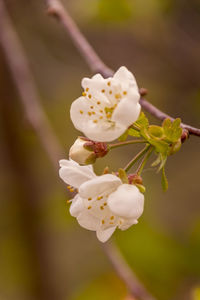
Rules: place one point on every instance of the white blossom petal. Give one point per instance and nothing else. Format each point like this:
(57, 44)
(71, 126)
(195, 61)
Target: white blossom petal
(127, 111)
(126, 223)
(73, 174)
(76, 206)
(104, 235)
(126, 202)
(88, 221)
(104, 184)
(125, 76)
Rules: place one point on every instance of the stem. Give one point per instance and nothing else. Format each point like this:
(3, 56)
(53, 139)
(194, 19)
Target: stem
(113, 146)
(136, 158)
(144, 161)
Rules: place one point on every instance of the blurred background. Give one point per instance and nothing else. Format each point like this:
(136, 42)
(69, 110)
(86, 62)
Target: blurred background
(44, 253)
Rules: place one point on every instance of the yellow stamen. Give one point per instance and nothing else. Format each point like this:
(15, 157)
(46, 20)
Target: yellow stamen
(103, 222)
(101, 207)
(125, 92)
(117, 96)
(71, 190)
(84, 94)
(95, 121)
(89, 113)
(103, 91)
(112, 217)
(93, 112)
(90, 96)
(91, 106)
(110, 92)
(105, 204)
(108, 83)
(98, 102)
(81, 112)
(89, 207)
(101, 117)
(101, 111)
(87, 89)
(99, 198)
(89, 198)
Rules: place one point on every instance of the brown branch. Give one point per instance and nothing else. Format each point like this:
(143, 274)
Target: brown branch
(125, 273)
(29, 97)
(56, 9)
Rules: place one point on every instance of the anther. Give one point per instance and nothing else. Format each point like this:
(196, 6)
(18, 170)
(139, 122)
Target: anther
(125, 92)
(89, 113)
(89, 198)
(81, 112)
(95, 121)
(105, 204)
(89, 207)
(84, 94)
(103, 91)
(112, 217)
(91, 106)
(90, 96)
(98, 102)
(103, 222)
(108, 83)
(110, 92)
(87, 89)
(99, 198)
(101, 207)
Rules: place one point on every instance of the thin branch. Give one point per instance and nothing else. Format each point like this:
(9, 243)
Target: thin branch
(22, 77)
(125, 273)
(56, 9)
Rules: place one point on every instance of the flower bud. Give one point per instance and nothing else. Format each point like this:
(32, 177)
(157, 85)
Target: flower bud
(80, 154)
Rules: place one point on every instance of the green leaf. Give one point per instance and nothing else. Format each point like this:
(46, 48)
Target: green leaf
(164, 180)
(123, 176)
(141, 188)
(156, 162)
(156, 131)
(133, 132)
(124, 136)
(172, 130)
(142, 121)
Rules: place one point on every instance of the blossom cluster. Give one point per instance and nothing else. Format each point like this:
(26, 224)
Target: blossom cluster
(109, 109)
(103, 113)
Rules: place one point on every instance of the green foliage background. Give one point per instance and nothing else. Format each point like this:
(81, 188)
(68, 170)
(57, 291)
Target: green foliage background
(44, 254)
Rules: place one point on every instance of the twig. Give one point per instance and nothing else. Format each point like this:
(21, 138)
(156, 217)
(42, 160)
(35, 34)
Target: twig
(56, 9)
(126, 274)
(22, 77)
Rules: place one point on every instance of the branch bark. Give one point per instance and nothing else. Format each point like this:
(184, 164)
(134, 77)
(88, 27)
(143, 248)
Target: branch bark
(56, 9)
(125, 273)
(24, 82)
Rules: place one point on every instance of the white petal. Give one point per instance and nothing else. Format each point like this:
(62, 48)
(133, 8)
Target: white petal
(126, 202)
(127, 111)
(126, 223)
(76, 206)
(125, 76)
(104, 184)
(73, 174)
(104, 235)
(104, 131)
(88, 221)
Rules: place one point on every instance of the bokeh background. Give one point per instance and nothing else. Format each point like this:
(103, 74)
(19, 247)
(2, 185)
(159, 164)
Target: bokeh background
(44, 254)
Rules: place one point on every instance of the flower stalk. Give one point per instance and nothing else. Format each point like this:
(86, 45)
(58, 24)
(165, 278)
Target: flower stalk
(121, 144)
(136, 158)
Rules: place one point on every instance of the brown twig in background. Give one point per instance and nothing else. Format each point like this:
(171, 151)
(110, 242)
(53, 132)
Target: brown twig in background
(20, 71)
(56, 9)
(125, 273)
(22, 77)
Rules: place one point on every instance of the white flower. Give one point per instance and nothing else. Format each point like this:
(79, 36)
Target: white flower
(103, 203)
(80, 154)
(108, 106)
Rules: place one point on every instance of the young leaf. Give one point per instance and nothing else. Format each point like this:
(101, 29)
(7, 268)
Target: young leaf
(164, 180)
(123, 176)
(142, 121)
(133, 132)
(124, 136)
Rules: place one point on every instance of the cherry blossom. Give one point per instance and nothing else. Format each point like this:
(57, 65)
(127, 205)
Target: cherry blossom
(102, 203)
(107, 107)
